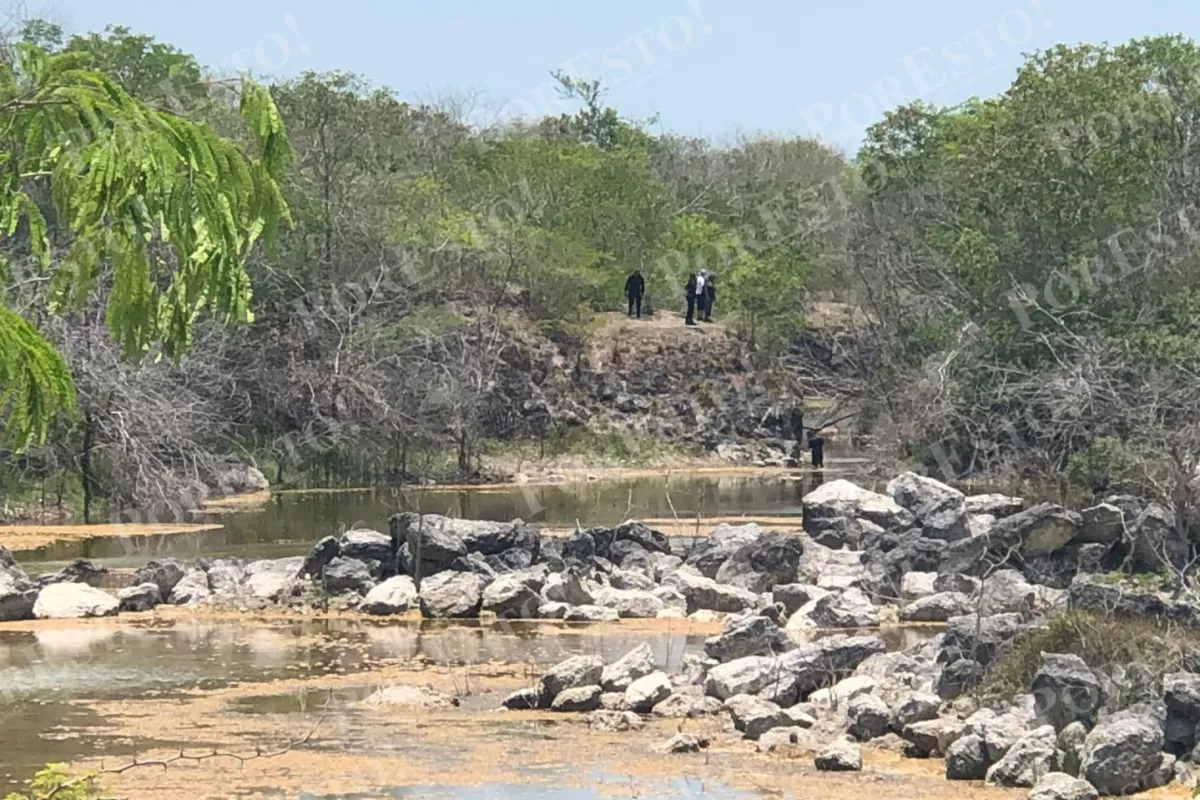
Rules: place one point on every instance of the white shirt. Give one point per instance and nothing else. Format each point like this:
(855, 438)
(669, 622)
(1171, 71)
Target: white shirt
(699, 284)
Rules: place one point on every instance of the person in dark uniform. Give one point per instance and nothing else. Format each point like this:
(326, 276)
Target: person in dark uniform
(689, 291)
(710, 294)
(816, 444)
(635, 287)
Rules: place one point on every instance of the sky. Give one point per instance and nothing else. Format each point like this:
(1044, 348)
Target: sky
(711, 68)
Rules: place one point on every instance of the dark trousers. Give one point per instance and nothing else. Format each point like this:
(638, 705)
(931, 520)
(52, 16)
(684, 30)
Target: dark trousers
(635, 303)
(818, 457)
(691, 311)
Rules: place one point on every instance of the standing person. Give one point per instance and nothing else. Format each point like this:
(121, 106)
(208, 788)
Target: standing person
(689, 290)
(710, 294)
(635, 287)
(816, 444)
(797, 420)
(701, 281)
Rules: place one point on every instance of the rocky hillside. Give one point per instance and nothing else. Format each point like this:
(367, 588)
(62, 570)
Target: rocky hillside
(651, 377)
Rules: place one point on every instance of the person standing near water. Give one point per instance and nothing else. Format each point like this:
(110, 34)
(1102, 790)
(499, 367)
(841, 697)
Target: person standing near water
(816, 444)
(635, 287)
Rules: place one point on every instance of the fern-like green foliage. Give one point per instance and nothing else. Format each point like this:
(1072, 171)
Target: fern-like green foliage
(53, 781)
(171, 208)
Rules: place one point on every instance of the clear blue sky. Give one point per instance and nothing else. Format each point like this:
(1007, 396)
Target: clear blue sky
(706, 67)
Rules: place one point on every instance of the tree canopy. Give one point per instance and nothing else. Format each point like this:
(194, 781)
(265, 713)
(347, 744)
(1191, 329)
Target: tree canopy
(170, 206)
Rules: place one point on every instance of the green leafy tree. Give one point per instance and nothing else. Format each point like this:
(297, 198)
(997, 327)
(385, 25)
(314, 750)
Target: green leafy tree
(169, 206)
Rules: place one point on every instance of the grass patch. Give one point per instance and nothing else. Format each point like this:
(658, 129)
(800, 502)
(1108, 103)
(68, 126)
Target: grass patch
(1133, 654)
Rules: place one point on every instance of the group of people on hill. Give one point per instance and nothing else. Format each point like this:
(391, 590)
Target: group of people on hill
(700, 291)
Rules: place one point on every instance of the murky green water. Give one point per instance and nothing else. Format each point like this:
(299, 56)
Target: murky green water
(46, 676)
(675, 789)
(291, 521)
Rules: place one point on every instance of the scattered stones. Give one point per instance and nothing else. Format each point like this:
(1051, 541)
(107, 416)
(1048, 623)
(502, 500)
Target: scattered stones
(450, 595)
(680, 705)
(1124, 751)
(763, 562)
(841, 756)
(995, 505)
(646, 692)
(637, 663)
(1042, 529)
(869, 717)
(143, 597)
(754, 716)
(1029, 760)
(683, 743)
(73, 601)
(345, 576)
(940, 510)
(1066, 690)
(913, 708)
(967, 759)
(1061, 786)
(407, 696)
(579, 698)
(706, 593)
(17, 593)
(1101, 524)
(849, 609)
(576, 671)
(525, 699)
(615, 721)
(325, 551)
(936, 607)
(366, 545)
(396, 595)
(511, 596)
(191, 589)
(753, 635)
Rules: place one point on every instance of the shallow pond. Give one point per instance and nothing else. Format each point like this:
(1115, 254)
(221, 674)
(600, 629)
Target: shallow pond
(55, 677)
(290, 522)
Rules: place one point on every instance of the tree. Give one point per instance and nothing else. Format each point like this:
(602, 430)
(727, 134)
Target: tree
(170, 205)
